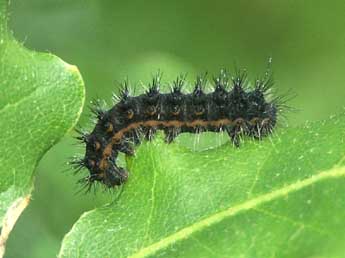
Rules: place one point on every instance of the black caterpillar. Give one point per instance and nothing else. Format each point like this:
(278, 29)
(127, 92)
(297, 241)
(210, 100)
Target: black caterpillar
(237, 110)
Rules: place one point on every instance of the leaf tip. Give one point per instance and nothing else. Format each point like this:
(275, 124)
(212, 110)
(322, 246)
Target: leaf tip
(72, 68)
(10, 219)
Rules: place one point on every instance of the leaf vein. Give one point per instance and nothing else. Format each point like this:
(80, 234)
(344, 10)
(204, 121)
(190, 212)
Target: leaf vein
(149, 220)
(332, 173)
(292, 221)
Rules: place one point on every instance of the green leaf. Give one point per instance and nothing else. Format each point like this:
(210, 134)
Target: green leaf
(280, 197)
(41, 98)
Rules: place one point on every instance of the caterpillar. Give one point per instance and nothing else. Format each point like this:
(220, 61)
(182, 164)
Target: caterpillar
(232, 106)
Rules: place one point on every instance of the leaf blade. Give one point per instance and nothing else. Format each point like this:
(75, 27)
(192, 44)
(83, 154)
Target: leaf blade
(203, 189)
(41, 98)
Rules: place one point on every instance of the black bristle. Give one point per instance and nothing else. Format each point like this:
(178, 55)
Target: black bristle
(97, 109)
(179, 83)
(156, 80)
(153, 88)
(264, 84)
(280, 102)
(77, 163)
(86, 184)
(200, 84)
(198, 90)
(124, 90)
(221, 81)
(82, 135)
(240, 78)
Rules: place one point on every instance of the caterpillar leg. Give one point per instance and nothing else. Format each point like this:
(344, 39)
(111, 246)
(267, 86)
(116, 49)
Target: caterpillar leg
(255, 129)
(235, 131)
(134, 136)
(149, 133)
(126, 148)
(266, 126)
(170, 134)
(260, 128)
(235, 138)
(114, 176)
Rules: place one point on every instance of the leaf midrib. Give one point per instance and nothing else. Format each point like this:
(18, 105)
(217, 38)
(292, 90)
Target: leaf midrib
(335, 172)
(153, 189)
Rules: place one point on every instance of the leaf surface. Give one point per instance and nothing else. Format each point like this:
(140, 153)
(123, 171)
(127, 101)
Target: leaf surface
(280, 197)
(41, 98)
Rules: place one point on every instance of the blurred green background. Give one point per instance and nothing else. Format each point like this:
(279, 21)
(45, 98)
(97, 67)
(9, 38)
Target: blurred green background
(109, 40)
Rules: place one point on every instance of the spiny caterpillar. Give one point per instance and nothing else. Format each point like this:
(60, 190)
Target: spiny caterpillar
(232, 106)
